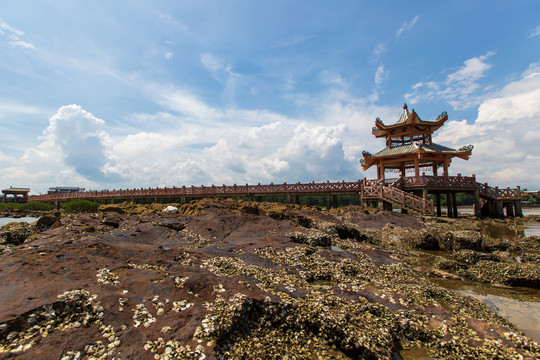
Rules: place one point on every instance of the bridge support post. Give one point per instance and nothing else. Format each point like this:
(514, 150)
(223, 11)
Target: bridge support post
(499, 209)
(510, 209)
(449, 204)
(517, 207)
(334, 201)
(182, 200)
(424, 196)
(57, 205)
(454, 205)
(476, 208)
(438, 201)
(328, 202)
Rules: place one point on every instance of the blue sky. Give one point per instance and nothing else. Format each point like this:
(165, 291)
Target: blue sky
(118, 94)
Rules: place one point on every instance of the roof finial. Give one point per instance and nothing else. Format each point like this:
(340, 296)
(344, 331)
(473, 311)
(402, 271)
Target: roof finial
(405, 106)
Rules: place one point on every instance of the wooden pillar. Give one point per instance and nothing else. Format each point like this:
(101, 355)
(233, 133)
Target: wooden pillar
(510, 209)
(449, 209)
(424, 196)
(476, 208)
(438, 201)
(357, 199)
(434, 169)
(416, 167)
(454, 205)
(328, 202)
(517, 208)
(499, 208)
(334, 201)
(445, 168)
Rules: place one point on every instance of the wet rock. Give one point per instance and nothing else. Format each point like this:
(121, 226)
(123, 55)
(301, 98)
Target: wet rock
(471, 257)
(16, 233)
(311, 238)
(462, 239)
(47, 221)
(512, 274)
(111, 208)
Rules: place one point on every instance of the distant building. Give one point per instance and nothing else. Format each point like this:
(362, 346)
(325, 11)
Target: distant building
(64, 189)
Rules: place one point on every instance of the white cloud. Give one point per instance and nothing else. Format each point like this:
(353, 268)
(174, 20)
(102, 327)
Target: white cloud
(461, 88)
(80, 137)
(13, 37)
(292, 41)
(380, 75)
(168, 55)
(505, 135)
(407, 26)
(211, 62)
(535, 32)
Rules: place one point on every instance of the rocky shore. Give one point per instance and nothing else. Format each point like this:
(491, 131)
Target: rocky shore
(227, 279)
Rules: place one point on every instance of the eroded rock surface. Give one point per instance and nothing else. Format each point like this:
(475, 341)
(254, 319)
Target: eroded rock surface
(236, 280)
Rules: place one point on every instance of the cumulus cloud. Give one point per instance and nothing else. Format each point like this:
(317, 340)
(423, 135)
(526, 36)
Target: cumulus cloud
(407, 25)
(505, 135)
(461, 88)
(80, 137)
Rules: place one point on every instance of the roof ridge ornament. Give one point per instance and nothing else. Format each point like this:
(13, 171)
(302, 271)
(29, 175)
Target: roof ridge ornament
(378, 119)
(443, 114)
(405, 106)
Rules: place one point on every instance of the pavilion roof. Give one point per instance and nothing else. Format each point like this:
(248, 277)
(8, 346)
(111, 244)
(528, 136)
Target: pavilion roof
(423, 151)
(406, 119)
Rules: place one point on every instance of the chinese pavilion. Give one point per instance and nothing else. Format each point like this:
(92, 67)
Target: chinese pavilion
(409, 146)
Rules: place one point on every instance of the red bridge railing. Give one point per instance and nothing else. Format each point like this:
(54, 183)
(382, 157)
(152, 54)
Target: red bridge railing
(213, 190)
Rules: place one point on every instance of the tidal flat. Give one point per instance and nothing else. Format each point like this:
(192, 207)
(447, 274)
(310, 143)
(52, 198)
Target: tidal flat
(229, 279)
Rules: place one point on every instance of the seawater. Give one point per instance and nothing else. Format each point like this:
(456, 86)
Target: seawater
(7, 220)
(520, 306)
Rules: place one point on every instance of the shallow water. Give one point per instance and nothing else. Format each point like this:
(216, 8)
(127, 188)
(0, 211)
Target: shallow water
(7, 220)
(520, 306)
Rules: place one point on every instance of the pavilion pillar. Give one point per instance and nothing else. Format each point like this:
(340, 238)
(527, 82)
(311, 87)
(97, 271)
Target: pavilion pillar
(445, 168)
(434, 169)
(416, 167)
(476, 208)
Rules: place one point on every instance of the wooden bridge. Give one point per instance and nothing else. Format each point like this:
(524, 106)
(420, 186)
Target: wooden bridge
(407, 193)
